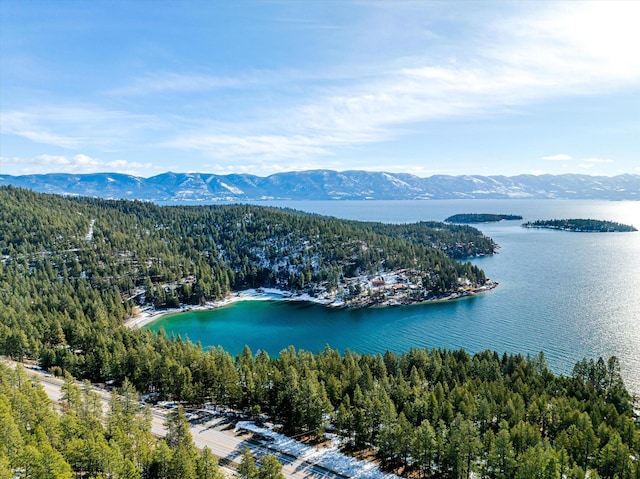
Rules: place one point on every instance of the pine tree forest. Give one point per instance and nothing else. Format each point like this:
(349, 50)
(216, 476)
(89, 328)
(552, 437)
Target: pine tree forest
(72, 270)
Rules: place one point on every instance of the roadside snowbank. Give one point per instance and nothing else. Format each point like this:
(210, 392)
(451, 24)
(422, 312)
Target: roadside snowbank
(330, 458)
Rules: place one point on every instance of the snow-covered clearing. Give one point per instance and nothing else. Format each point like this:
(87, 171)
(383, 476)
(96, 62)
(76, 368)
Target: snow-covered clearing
(330, 458)
(89, 236)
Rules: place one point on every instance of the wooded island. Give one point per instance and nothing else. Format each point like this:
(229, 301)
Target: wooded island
(480, 218)
(581, 225)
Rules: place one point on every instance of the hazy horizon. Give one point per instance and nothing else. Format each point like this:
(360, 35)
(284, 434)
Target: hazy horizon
(302, 171)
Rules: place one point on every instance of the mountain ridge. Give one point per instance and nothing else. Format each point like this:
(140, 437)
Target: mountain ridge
(328, 185)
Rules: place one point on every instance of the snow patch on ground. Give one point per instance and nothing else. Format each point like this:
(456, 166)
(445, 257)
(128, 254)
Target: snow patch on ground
(89, 236)
(330, 458)
(232, 189)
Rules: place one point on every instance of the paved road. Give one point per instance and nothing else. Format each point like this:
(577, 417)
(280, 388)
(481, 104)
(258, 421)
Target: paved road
(218, 435)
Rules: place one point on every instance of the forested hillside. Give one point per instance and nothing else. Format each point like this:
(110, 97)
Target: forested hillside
(71, 267)
(76, 438)
(122, 245)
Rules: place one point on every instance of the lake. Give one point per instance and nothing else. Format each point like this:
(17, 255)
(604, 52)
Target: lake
(571, 295)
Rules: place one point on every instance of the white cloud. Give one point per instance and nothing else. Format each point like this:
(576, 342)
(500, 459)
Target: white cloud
(558, 157)
(557, 52)
(74, 127)
(586, 166)
(582, 45)
(167, 82)
(564, 49)
(79, 163)
(265, 146)
(519, 57)
(266, 168)
(598, 160)
(27, 125)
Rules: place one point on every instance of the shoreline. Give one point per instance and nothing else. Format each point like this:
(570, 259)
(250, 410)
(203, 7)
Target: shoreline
(149, 315)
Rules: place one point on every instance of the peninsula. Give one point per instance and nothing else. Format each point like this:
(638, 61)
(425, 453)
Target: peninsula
(480, 218)
(581, 225)
(162, 258)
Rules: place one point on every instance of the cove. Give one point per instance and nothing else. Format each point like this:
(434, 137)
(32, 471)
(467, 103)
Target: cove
(571, 295)
(275, 325)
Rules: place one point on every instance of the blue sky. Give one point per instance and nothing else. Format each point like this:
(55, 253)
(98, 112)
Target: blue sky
(260, 87)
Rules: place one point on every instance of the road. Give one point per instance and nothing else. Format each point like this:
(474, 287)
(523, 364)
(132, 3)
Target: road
(219, 435)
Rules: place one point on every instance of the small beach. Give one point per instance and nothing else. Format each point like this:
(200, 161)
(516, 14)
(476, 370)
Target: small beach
(148, 315)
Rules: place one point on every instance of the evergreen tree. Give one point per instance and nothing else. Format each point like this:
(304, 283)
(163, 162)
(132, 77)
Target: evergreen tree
(247, 468)
(614, 459)
(424, 448)
(271, 468)
(208, 466)
(184, 458)
(502, 459)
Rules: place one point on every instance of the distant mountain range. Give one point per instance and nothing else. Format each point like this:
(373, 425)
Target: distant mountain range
(328, 185)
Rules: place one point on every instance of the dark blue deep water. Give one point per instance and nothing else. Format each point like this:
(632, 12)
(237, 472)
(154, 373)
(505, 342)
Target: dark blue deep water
(571, 295)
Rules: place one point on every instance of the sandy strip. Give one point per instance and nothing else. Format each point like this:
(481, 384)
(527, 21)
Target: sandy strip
(263, 294)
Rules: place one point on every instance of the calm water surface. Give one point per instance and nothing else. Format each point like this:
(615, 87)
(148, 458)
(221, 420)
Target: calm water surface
(571, 295)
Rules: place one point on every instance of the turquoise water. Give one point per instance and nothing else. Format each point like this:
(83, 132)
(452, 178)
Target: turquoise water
(571, 295)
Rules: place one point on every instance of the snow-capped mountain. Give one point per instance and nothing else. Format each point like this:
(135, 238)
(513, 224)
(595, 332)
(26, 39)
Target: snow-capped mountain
(328, 185)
